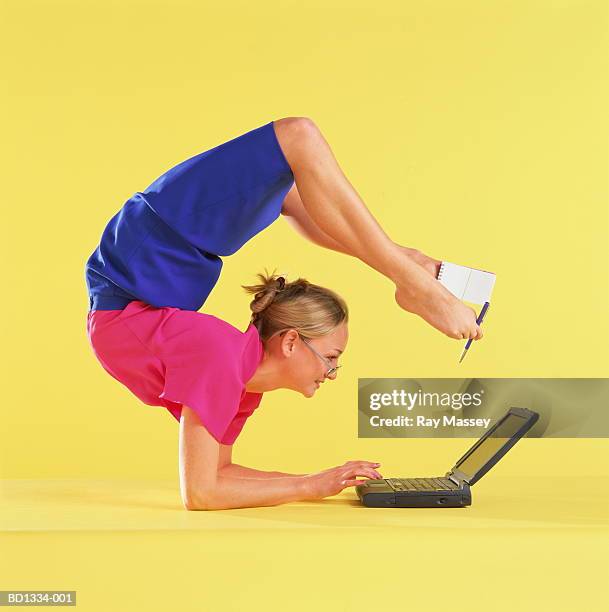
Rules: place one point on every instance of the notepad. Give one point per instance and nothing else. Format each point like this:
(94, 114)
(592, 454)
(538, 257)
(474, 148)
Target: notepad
(468, 284)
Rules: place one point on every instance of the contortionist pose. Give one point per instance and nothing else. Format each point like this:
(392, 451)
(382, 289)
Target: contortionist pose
(158, 260)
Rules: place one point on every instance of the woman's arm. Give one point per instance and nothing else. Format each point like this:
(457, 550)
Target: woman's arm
(228, 468)
(204, 486)
(240, 471)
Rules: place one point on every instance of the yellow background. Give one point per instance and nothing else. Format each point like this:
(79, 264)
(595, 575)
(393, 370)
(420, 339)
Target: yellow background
(474, 131)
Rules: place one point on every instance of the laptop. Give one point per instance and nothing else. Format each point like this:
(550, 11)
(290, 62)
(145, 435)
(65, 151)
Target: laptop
(453, 489)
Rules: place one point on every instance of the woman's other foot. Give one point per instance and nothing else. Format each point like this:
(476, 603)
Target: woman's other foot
(429, 264)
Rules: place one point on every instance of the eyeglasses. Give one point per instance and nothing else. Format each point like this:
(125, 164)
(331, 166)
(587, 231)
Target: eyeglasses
(331, 369)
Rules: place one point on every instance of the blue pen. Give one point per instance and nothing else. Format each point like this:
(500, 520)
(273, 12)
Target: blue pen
(478, 322)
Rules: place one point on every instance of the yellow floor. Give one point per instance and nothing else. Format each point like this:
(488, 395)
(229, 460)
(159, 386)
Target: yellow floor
(529, 544)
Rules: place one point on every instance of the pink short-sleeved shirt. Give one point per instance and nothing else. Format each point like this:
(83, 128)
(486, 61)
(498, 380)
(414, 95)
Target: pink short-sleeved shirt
(171, 357)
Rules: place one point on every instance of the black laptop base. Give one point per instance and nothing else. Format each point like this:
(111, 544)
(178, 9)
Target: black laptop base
(404, 493)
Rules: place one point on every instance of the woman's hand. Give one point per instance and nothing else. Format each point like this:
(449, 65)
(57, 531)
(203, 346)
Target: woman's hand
(333, 480)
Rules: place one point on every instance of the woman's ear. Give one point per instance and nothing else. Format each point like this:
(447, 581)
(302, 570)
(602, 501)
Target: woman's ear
(288, 342)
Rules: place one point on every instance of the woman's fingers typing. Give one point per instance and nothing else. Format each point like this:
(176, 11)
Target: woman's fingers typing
(352, 483)
(349, 477)
(334, 480)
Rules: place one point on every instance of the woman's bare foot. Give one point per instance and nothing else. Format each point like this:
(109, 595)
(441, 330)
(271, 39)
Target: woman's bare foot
(440, 308)
(429, 264)
(432, 301)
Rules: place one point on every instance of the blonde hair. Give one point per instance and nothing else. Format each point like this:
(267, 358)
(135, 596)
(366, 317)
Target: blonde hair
(311, 310)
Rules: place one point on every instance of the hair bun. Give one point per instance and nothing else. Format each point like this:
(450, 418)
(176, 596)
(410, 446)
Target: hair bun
(266, 294)
(308, 308)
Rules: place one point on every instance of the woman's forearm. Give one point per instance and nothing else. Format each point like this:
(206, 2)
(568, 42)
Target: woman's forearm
(240, 471)
(232, 492)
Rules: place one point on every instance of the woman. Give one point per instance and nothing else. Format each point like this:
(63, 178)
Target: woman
(158, 260)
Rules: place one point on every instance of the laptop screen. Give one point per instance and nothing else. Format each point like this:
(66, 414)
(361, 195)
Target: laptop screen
(495, 443)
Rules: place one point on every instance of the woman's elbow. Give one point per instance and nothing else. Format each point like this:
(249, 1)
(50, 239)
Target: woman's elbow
(189, 500)
(202, 500)
(190, 504)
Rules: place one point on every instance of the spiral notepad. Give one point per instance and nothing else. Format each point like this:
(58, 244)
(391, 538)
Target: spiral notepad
(468, 284)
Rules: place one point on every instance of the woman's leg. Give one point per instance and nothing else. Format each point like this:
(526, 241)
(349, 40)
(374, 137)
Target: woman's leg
(335, 207)
(297, 216)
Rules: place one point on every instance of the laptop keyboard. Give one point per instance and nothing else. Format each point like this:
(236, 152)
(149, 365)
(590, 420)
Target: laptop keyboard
(421, 484)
